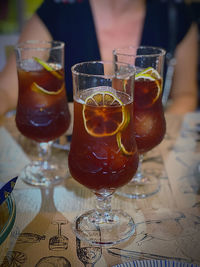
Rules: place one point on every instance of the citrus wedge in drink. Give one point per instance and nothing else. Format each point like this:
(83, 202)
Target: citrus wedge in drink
(121, 145)
(38, 89)
(147, 89)
(49, 68)
(103, 120)
(152, 72)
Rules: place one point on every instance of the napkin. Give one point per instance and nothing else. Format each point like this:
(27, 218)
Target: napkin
(6, 189)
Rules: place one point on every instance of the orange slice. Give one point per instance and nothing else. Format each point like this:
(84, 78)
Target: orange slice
(49, 68)
(100, 119)
(38, 89)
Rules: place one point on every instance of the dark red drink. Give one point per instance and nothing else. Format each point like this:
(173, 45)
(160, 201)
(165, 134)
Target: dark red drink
(149, 124)
(42, 109)
(103, 152)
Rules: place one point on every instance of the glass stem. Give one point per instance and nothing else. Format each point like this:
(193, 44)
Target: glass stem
(103, 208)
(138, 176)
(44, 151)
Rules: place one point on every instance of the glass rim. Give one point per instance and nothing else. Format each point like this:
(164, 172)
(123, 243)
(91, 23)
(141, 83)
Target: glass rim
(23, 45)
(106, 76)
(119, 51)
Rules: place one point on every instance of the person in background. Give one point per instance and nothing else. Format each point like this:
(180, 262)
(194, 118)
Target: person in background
(195, 7)
(91, 29)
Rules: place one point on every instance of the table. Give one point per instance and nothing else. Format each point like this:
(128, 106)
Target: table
(167, 223)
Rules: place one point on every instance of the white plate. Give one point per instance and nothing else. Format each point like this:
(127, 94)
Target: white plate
(155, 263)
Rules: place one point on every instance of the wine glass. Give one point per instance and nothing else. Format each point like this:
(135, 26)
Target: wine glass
(149, 120)
(42, 111)
(103, 154)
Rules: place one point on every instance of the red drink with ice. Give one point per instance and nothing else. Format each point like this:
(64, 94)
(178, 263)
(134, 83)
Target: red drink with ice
(150, 125)
(42, 109)
(103, 152)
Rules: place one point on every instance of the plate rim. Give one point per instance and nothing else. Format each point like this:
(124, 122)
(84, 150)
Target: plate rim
(10, 222)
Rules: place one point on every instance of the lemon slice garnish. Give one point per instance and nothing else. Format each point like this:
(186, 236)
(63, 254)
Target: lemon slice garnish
(38, 89)
(144, 76)
(103, 98)
(148, 77)
(121, 146)
(48, 68)
(93, 117)
(99, 123)
(152, 72)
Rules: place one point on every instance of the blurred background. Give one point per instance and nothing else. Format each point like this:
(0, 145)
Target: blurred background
(195, 5)
(14, 13)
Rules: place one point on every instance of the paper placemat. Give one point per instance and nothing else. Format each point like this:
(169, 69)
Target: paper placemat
(12, 157)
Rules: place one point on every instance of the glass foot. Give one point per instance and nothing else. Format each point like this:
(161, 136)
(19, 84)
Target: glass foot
(41, 174)
(140, 188)
(106, 230)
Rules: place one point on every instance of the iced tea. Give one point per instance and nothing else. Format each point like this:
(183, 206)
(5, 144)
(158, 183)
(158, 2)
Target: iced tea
(149, 124)
(104, 155)
(42, 109)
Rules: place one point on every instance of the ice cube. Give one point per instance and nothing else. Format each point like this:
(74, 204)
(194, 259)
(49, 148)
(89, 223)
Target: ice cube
(30, 65)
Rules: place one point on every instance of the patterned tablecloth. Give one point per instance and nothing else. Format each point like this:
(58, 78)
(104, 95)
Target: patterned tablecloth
(167, 223)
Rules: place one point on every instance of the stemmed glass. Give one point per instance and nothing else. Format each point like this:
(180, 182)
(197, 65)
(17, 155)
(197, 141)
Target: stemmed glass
(42, 111)
(149, 120)
(103, 154)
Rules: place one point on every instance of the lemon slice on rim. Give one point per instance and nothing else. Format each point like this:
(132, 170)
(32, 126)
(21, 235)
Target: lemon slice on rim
(38, 89)
(49, 68)
(151, 71)
(101, 123)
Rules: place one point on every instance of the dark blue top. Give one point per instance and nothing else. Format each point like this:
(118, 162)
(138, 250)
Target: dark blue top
(71, 21)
